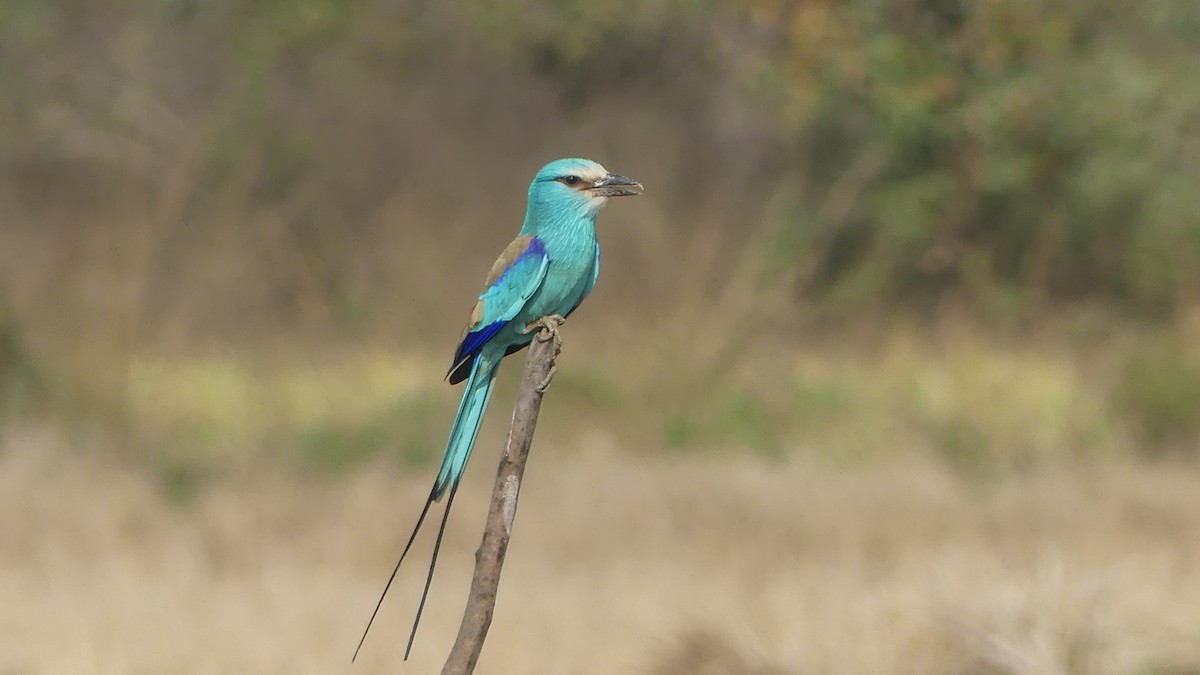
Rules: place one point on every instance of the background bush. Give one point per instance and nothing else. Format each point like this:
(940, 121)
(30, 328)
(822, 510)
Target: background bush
(269, 178)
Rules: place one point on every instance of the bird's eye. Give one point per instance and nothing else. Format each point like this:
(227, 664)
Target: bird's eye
(571, 180)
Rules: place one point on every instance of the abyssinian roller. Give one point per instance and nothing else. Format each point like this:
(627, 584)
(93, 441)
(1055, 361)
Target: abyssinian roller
(545, 273)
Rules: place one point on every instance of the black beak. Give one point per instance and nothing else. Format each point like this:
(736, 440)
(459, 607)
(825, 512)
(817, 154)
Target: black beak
(613, 185)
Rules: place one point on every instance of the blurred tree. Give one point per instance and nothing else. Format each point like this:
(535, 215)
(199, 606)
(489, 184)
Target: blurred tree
(924, 148)
(1045, 146)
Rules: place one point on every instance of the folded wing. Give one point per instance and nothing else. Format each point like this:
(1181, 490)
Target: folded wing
(515, 277)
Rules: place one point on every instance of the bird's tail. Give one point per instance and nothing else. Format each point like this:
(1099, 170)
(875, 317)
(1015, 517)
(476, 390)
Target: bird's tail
(458, 451)
(466, 424)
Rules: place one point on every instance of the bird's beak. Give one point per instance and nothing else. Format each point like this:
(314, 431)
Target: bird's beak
(613, 185)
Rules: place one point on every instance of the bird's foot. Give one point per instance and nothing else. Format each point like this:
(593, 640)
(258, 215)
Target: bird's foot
(547, 328)
(545, 383)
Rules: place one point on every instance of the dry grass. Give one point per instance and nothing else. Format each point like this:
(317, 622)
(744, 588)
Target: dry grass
(259, 328)
(729, 565)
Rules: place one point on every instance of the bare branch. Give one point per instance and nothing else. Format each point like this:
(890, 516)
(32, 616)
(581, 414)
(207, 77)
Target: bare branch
(489, 559)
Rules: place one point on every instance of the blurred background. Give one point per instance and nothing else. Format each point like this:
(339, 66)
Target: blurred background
(895, 367)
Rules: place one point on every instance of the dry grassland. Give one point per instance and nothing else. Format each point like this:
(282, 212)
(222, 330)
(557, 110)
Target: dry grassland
(728, 565)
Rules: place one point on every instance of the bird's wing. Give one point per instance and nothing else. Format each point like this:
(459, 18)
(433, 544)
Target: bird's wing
(514, 278)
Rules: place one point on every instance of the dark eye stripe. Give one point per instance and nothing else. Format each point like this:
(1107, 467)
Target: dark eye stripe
(571, 180)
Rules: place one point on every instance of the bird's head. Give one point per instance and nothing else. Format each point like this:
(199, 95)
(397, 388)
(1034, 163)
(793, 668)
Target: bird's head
(577, 185)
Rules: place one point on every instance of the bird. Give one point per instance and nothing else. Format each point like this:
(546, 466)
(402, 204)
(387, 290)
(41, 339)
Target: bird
(539, 279)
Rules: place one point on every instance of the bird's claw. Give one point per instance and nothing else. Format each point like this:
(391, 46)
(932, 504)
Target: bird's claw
(545, 383)
(547, 328)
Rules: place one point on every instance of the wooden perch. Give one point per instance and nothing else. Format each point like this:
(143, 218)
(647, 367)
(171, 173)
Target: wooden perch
(489, 559)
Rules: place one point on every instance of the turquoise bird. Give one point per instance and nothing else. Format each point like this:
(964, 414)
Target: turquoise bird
(545, 273)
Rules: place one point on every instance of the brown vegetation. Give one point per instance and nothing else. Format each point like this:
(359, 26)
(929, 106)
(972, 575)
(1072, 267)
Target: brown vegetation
(895, 368)
(726, 565)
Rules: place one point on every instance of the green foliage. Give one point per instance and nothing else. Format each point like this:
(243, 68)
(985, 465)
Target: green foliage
(23, 385)
(679, 431)
(410, 431)
(745, 420)
(822, 400)
(1042, 138)
(934, 146)
(739, 420)
(1159, 390)
(592, 387)
(181, 478)
(237, 173)
(964, 446)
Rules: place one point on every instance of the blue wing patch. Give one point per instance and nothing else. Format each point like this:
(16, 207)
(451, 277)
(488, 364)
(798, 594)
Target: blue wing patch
(514, 278)
(474, 340)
